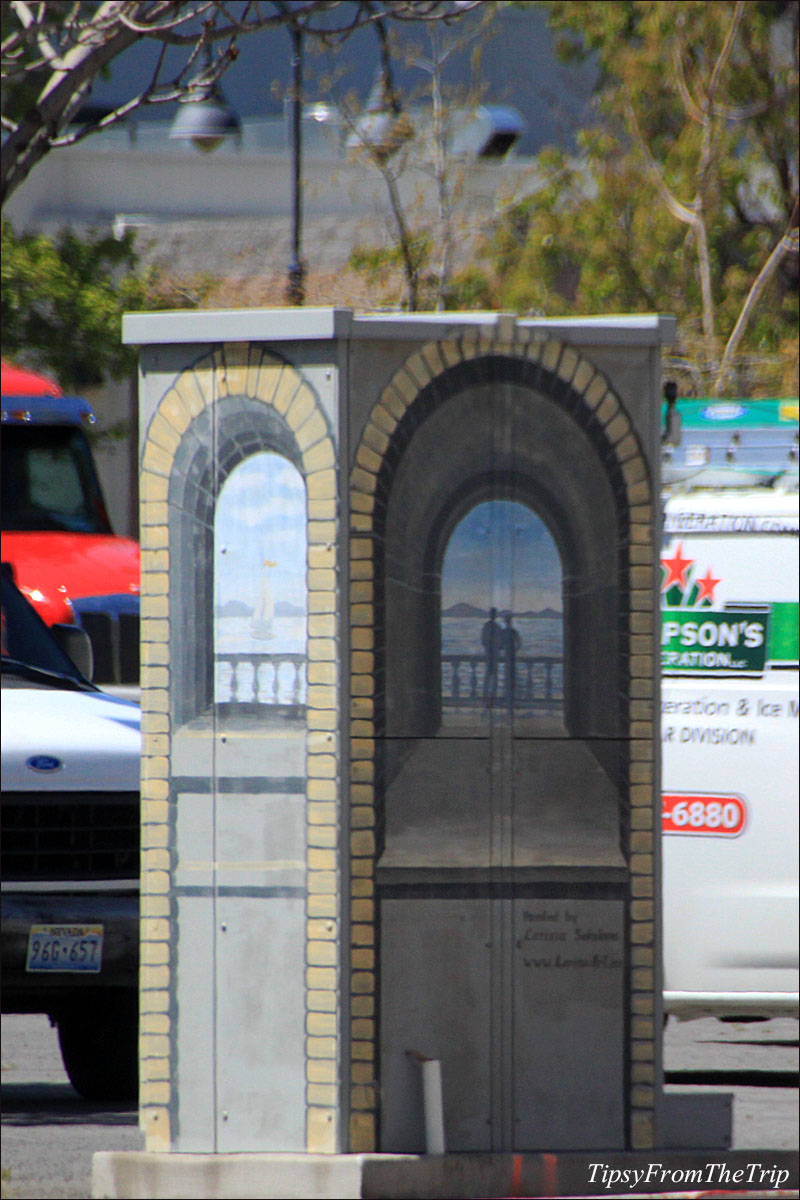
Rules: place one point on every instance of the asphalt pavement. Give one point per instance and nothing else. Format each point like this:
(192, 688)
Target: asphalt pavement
(49, 1134)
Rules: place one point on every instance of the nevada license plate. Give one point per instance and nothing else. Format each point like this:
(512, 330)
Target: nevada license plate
(65, 948)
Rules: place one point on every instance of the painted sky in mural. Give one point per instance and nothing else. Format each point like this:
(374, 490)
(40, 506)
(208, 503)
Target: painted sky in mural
(502, 555)
(260, 559)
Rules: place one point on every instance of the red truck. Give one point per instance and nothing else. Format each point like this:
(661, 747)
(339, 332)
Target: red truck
(56, 532)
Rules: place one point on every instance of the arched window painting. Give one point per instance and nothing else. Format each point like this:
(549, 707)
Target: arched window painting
(260, 584)
(502, 622)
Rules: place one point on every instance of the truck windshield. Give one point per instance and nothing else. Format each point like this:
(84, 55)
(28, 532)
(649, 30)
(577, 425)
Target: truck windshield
(48, 481)
(26, 640)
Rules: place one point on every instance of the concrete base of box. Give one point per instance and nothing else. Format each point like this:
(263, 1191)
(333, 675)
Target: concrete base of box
(144, 1176)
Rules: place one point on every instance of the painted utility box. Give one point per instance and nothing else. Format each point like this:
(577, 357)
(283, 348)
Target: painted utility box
(400, 779)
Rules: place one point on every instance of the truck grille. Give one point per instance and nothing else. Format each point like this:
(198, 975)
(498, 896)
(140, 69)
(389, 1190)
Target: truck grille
(69, 836)
(115, 640)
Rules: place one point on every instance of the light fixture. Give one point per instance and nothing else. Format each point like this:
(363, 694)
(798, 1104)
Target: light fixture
(207, 121)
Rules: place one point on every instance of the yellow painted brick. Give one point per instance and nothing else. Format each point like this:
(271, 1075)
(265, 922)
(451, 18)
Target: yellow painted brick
(642, 1051)
(154, 1121)
(321, 766)
(153, 1045)
(361, 1051)
(362, 771)
(154, 1092)
(321, 1024)
(362, 747)
(320, 456)
(321, 859)
(362, 1028)
(362, 885)
(321, 1047)
(321, 1094)
(368, 458)
(311, 431)
(163, 434)
(321, 718)
(642, 842)
(642, 885)
(362, 729)
(321, 696)
(154, 606)
(362, 569)
(322, 905)
(321, 812)
(322, 881)
(154, 1001)
(362, 982)
(155, 860)
(154, 1068)
(642, 978)
(362, 706)
(321, 649)
(321, 1001)
(320, 978)
(363, 867)
(150, 1022)
(362, 685)
(642, 864)
(642, 932)
(375, 438)
(286, 389)
(642, 956)
(321, 602)
(155, 978)
(154, 789)
(641, 818)
(319, 742)
(362, 935)
(320, 1131)
(362, 1006)
(322, 625)
(321, 579)
(362, 958)
(156, 460)
(642, 1096)
(642, 1072)
(362, 1133)
(642, 1028)
(154, 929)
(321, 1070)
(154, 953)
(642, 1003)
(362, 1096)
(268, 376)
(363, 481)
(362, 910)
(154, 837)
(362, 841)
(153, 487)
(321, 485)
(323, 836)
(154, 906)
(322, 509)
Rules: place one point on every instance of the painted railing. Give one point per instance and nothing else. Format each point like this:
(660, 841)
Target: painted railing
(538, 681)
(243, 677)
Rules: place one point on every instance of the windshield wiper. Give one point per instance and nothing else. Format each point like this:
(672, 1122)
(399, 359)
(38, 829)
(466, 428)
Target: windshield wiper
(13, 666)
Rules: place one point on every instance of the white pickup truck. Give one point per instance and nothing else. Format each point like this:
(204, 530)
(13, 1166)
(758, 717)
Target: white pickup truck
(70, 850)
(729, 659)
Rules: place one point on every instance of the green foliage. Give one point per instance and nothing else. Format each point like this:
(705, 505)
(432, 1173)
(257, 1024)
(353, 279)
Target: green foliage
(63, 299)
(598, 235)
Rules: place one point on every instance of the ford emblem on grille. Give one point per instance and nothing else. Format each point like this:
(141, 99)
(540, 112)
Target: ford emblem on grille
(43, 762)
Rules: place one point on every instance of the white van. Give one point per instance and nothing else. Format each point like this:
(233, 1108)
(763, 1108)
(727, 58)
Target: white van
(729, 655)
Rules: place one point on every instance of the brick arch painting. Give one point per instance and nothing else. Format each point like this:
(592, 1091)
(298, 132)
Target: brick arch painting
(235, 407)
(540, 379)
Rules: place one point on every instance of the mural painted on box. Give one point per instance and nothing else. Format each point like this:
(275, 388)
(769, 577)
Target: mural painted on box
(502, 632)
(260, 584)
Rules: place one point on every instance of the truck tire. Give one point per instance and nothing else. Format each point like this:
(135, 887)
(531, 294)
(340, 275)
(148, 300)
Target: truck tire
(99, 1040)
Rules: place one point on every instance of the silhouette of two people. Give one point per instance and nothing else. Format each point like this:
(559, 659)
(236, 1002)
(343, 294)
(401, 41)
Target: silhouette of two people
(500, 643)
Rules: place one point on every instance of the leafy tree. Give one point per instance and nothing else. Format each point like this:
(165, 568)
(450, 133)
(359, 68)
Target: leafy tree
(53, 50)
(62, 302)
(683, 196)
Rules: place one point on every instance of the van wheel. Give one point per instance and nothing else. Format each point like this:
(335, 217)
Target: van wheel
(99, 1040)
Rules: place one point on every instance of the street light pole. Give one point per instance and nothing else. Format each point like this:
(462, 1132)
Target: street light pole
(295, 290)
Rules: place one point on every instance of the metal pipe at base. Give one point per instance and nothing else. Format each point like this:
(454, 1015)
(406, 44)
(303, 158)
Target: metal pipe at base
(433, 1105)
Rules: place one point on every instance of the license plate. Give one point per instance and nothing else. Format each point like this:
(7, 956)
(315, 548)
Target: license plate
(65, 948)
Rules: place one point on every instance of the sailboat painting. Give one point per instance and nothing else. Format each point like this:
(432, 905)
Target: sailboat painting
(260, 556)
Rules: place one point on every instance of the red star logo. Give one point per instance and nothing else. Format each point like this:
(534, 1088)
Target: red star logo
(706, 585)
(676, 568)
